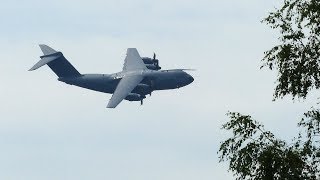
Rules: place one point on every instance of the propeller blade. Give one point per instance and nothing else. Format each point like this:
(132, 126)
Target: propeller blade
(154, 56)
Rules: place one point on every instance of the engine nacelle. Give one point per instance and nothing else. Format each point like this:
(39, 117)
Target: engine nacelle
(153, 67)
(134, 97)
(147, 60)
(143, 86)
(142, 89)
(152, 64)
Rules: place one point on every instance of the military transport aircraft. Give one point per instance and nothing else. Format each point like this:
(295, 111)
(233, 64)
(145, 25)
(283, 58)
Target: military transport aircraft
(139, 76)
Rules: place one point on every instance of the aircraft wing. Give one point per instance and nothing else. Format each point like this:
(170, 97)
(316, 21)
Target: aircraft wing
(133, 60)
(125, 86)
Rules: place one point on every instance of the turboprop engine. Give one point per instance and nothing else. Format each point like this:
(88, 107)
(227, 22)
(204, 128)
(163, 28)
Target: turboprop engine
(151, 63)
(135, 97)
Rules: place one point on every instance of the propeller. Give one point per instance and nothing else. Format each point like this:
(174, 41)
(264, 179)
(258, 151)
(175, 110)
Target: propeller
(156, 61)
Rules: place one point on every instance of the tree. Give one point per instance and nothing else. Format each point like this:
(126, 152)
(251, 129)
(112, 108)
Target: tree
(297, 58)
(252, 151)
(255, 153)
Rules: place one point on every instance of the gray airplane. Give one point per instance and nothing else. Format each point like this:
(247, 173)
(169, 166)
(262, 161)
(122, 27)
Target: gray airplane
(138, 78)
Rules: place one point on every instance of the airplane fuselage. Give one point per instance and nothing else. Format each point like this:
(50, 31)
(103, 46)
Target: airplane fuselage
(153, 80)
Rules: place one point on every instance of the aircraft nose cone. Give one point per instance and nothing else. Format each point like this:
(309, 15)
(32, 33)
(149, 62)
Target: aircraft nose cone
(190, 79)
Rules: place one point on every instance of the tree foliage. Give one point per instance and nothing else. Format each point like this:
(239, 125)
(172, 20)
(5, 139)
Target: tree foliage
(297, 57)
(255, 153)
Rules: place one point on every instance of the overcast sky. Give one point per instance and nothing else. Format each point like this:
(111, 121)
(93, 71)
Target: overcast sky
(50, 130)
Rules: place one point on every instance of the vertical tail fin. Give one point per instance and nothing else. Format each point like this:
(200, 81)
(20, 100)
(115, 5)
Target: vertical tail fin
(46, 49)
(57, 62)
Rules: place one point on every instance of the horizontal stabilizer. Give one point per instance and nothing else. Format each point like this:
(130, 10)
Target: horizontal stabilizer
(45, 60)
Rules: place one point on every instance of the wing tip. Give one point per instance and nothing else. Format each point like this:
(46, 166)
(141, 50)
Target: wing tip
(131, 49)
(111, 106)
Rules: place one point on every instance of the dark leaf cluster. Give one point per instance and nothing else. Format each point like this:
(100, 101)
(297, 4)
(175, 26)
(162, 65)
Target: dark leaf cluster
(297, 57)
(255, 153)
